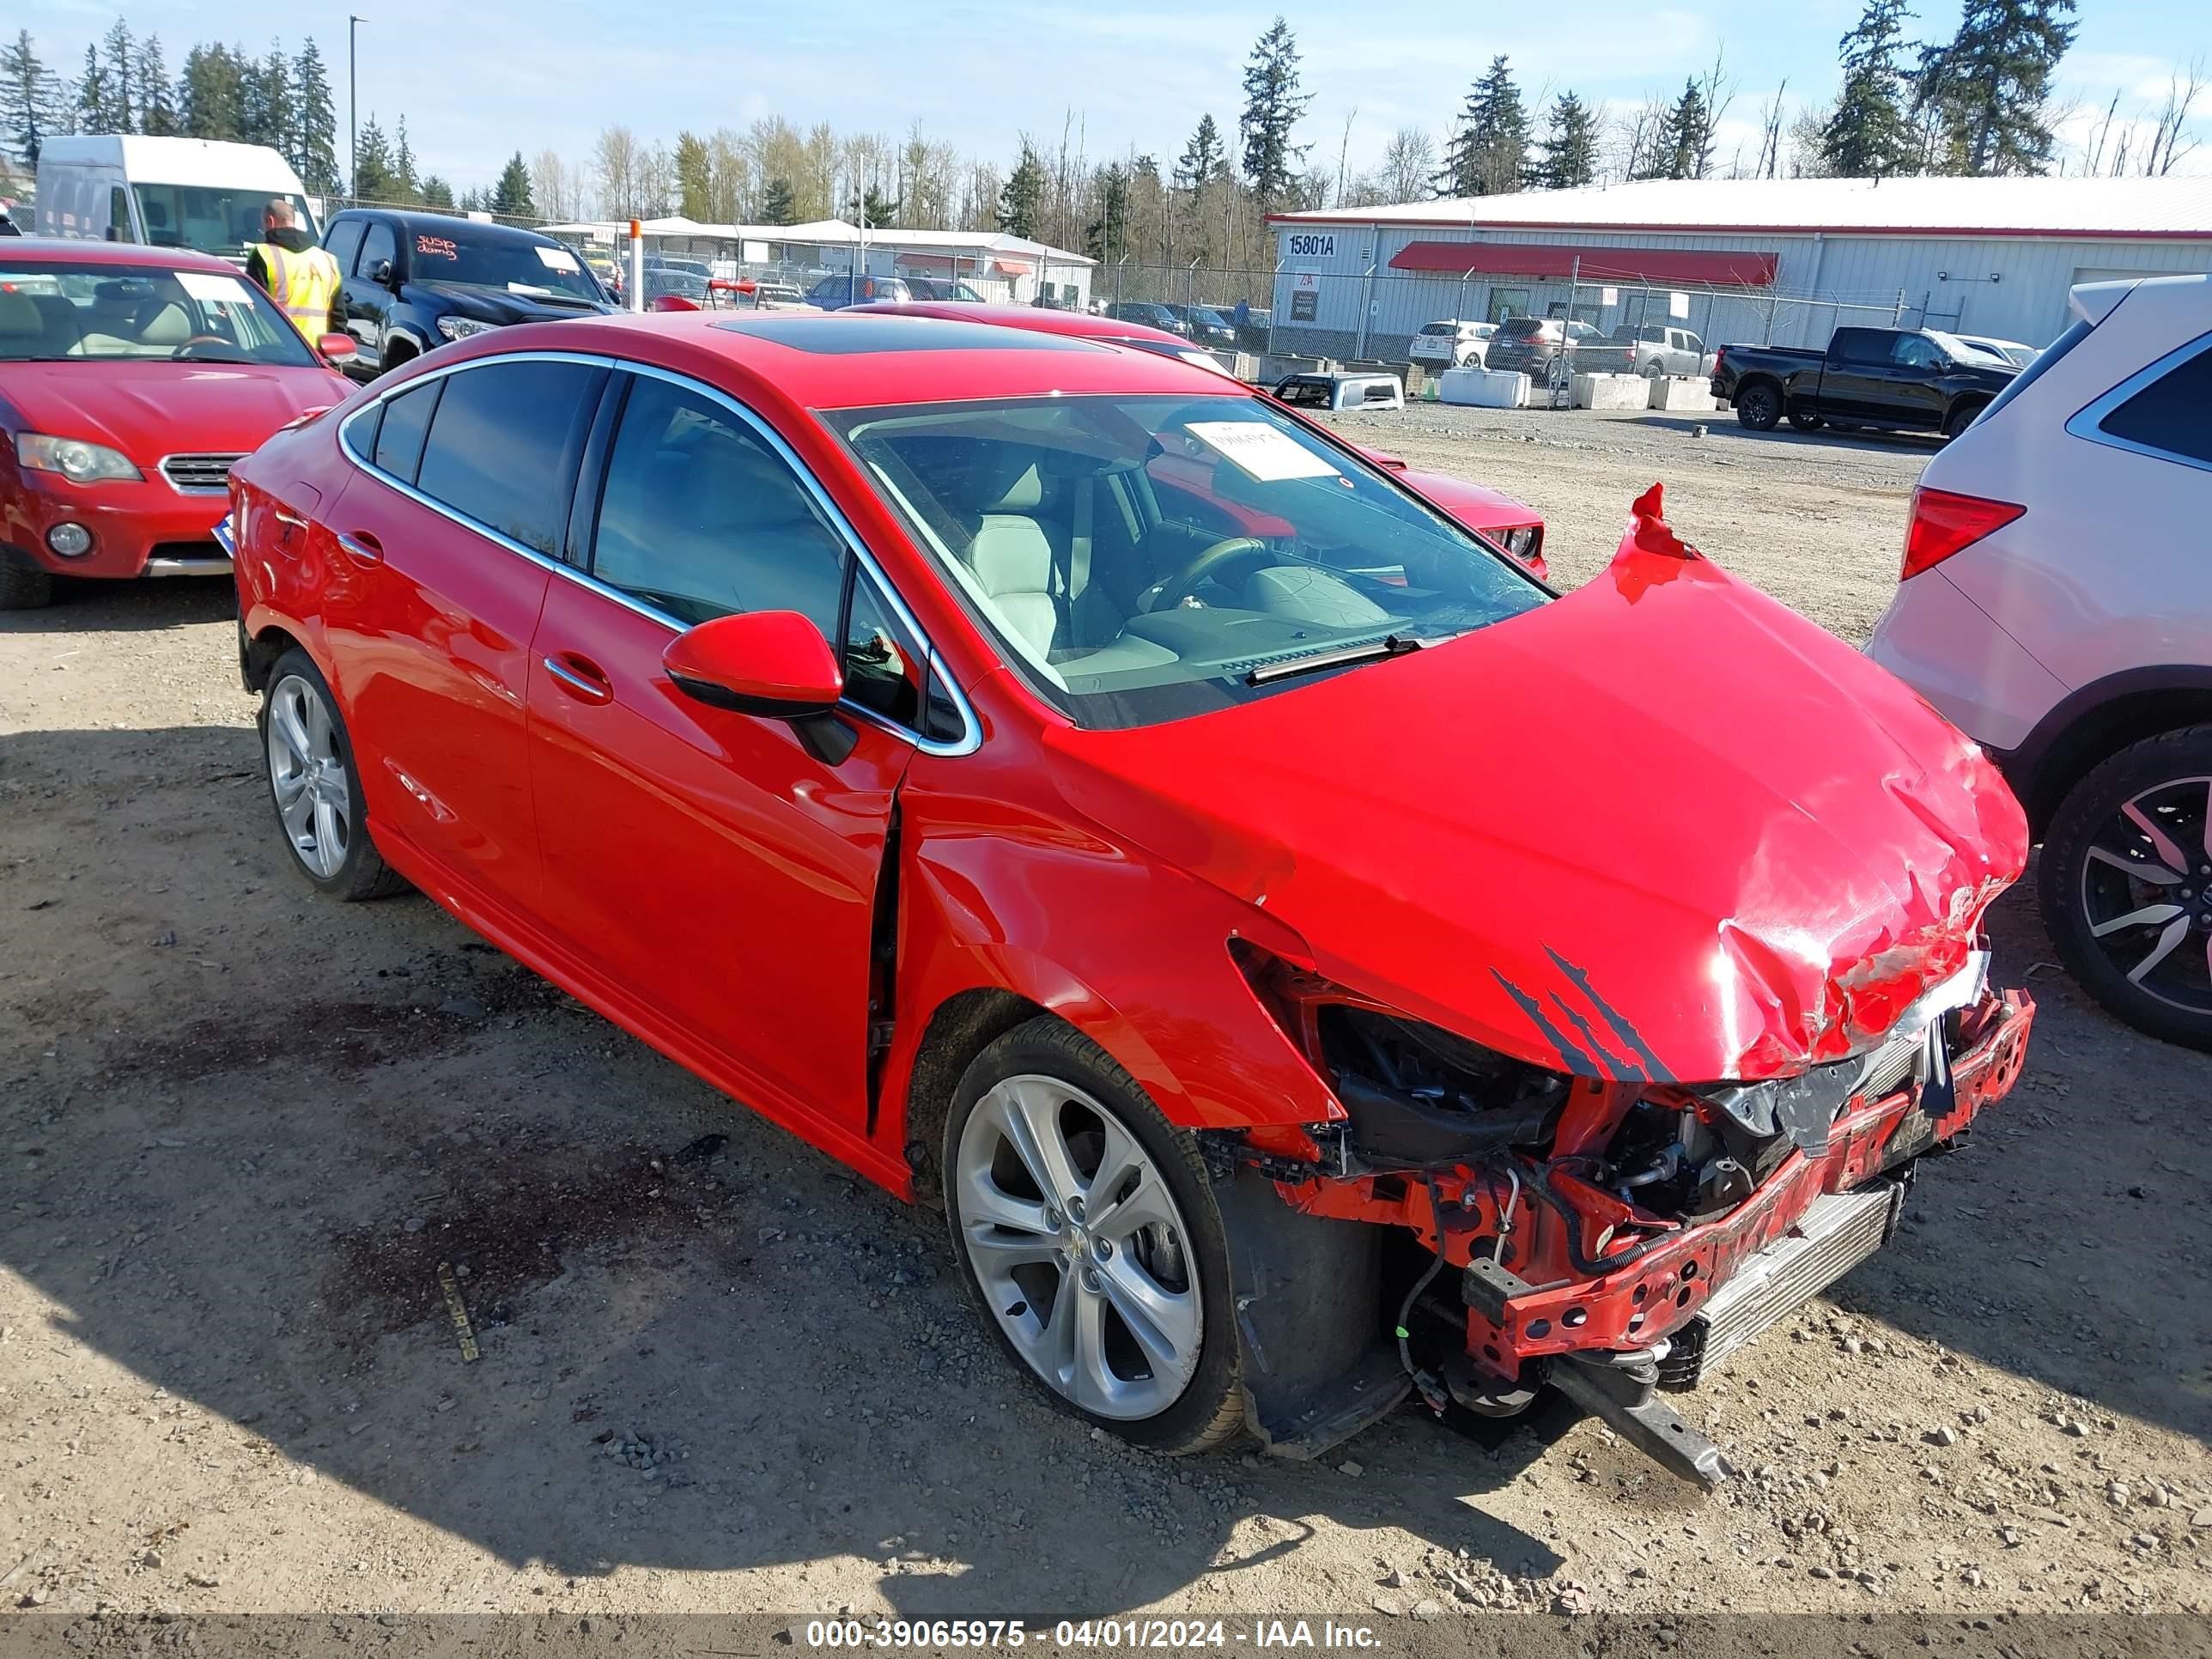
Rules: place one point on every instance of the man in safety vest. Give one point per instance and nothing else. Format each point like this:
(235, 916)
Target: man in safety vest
(298, 275)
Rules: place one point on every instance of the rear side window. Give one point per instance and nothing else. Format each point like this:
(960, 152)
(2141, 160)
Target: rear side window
(1862, 345)
(344, 242)
(501, 447)
(2172, 413)
(2036, 369)
(406, 422)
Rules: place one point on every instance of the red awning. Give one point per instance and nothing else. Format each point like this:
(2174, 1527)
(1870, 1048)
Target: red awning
(1012, 267)
(1702, 267)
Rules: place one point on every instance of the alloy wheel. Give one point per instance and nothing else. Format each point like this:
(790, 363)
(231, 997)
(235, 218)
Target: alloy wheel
(2145, 892)
(308, 775)
(1078, 1247)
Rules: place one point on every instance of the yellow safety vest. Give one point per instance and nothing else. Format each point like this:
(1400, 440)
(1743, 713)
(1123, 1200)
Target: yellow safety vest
(304, 284)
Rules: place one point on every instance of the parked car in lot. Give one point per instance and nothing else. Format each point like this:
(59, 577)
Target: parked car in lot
(941, 289)
(674, 279)
(130, 379)
(1451, 343)
(1527, 345)
(1205, 326)
(1902, 378)
(880, 633)
(412, 281)
(1656, 350)
(1343, 390)
(834, 293)
(2011, 351)
(1148, 313)
(2080, 658)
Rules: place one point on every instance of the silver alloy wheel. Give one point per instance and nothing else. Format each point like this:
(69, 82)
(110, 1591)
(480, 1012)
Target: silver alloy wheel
(2147, 891)
(1078, 1247)
(308, 776)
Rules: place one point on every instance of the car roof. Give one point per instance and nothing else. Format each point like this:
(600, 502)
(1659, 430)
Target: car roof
(859, 357)
(1037, 320)
(70, 250)
(443, 221)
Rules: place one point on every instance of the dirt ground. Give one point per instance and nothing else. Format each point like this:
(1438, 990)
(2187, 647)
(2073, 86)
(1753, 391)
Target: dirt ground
(243, 1128)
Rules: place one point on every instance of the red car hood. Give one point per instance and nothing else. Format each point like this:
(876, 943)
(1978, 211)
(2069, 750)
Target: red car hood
(1661, 828)
(150, 410)
(1471, 504)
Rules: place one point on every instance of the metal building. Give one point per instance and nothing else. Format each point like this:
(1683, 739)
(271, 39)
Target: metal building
(1779, 261)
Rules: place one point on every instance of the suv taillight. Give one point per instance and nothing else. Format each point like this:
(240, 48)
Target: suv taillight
(1944, 522)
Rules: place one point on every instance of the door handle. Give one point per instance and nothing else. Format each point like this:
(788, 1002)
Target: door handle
(362, 546)
(581, 679)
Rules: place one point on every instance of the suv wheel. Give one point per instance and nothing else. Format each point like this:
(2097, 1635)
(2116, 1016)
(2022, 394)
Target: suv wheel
(2125, 884)
(1758, 407)
(1085, 1228)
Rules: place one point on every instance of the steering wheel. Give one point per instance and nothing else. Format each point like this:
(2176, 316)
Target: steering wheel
(186, 349)
(1229, 550)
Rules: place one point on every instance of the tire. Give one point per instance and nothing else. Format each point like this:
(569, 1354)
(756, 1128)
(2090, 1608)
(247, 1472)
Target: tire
(2157, 984)
(303, 740)
(24, 585)
(1046, 1076)
(395, 355)
(1758, 406)
(1806, 420)
(1654, 371)
(1962, 418)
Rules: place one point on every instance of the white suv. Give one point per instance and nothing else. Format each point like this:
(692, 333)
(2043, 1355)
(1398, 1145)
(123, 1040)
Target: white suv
(1451, 343)
(2056, 604)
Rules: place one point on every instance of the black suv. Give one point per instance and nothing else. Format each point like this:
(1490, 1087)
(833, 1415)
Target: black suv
(413, 281)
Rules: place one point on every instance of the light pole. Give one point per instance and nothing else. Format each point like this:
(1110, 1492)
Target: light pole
(353, 112)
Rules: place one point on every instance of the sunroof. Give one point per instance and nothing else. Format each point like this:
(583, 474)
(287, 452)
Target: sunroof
(836, 336)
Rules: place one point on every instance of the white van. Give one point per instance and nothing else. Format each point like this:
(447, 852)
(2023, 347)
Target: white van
(170, 192)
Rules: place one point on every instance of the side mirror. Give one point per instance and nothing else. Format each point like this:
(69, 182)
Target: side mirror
(338, 348)
(381, 273)
(775, 664)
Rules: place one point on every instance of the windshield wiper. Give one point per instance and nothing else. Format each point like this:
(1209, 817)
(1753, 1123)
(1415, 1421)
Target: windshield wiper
(1393, 645)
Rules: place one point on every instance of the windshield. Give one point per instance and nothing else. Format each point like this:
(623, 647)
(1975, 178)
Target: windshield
(540, 269)
(62, 312)
(1142, 559)
(214, 218)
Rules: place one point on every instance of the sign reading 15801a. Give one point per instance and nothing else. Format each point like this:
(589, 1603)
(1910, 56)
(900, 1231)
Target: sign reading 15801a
(1310, 245)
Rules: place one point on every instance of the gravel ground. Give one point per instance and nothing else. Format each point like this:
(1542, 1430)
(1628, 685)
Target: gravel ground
(244, 1128)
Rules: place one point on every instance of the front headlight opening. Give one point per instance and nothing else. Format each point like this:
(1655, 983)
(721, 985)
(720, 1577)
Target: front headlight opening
(74, 459)
(460, 328)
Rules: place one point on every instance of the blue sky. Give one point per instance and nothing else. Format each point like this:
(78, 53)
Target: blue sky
(510, 74)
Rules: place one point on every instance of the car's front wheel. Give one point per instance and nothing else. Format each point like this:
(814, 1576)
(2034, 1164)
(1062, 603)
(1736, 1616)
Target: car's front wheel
(1085, 1227)
(2125, 884)
(314, 785)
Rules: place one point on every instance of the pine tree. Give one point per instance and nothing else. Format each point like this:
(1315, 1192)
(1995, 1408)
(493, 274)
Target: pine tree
(1106, 237)
(1273, 106)
(372, 177)
(314, 146)
(1569, 150)
(93, 106)
(149, 76)
(212, 94)
(1204, 158)
(28, 110)
(777, 205)
(437, 193)
(1868, 137)
(1987, 92)
(510, 197)
(873, 208)
(695, 177)
(1489, 155)
(1021, 200)
(1685, 138)
(408, 189)
(119, 68)
(267, 116)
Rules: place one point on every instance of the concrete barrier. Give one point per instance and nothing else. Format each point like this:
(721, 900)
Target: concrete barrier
(1610, 391)
(1484, 388)
(1679, 393)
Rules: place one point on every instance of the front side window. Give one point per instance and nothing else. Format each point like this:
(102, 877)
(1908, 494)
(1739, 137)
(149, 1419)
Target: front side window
(344, 242)
(378, 247)
(699, 518)
(501, 444)
(1913, 352)
(1144, 558)
(61, 313)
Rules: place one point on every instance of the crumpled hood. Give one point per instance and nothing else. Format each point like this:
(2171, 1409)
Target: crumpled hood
(492, 305)
(150, 410)
(1661, 828)
(1476, 506)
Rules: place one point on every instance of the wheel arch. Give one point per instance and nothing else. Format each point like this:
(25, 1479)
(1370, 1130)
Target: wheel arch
(2098, 719)
(258, 653)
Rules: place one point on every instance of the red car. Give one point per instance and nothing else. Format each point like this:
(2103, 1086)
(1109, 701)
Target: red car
(1258, 946)
(130, 379)
(1514, 525)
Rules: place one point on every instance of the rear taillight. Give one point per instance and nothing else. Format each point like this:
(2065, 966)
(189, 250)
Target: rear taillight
(1720, 357)
(1944, 522)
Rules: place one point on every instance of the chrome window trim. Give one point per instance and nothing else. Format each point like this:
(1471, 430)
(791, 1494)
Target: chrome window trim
(971, 737)
(2088, 423)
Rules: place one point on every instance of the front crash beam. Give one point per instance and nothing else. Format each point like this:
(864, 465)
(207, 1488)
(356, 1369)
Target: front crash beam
(1621, 1391)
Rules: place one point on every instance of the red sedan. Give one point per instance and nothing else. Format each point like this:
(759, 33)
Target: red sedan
(1257, 945)
(130, 379)
(1514, 525)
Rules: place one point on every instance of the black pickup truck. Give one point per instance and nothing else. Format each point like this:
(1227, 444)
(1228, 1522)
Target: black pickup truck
(1916, 379)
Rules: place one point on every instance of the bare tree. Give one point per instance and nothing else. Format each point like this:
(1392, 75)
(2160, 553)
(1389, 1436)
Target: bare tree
(1408, 164)
(616, 159)
(2170, 140)
(1770, 134)
(1344, 152)
(2092, 151)
(1719, 89)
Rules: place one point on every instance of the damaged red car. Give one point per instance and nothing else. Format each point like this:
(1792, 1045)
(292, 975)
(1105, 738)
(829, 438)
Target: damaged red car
(1310, 969)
